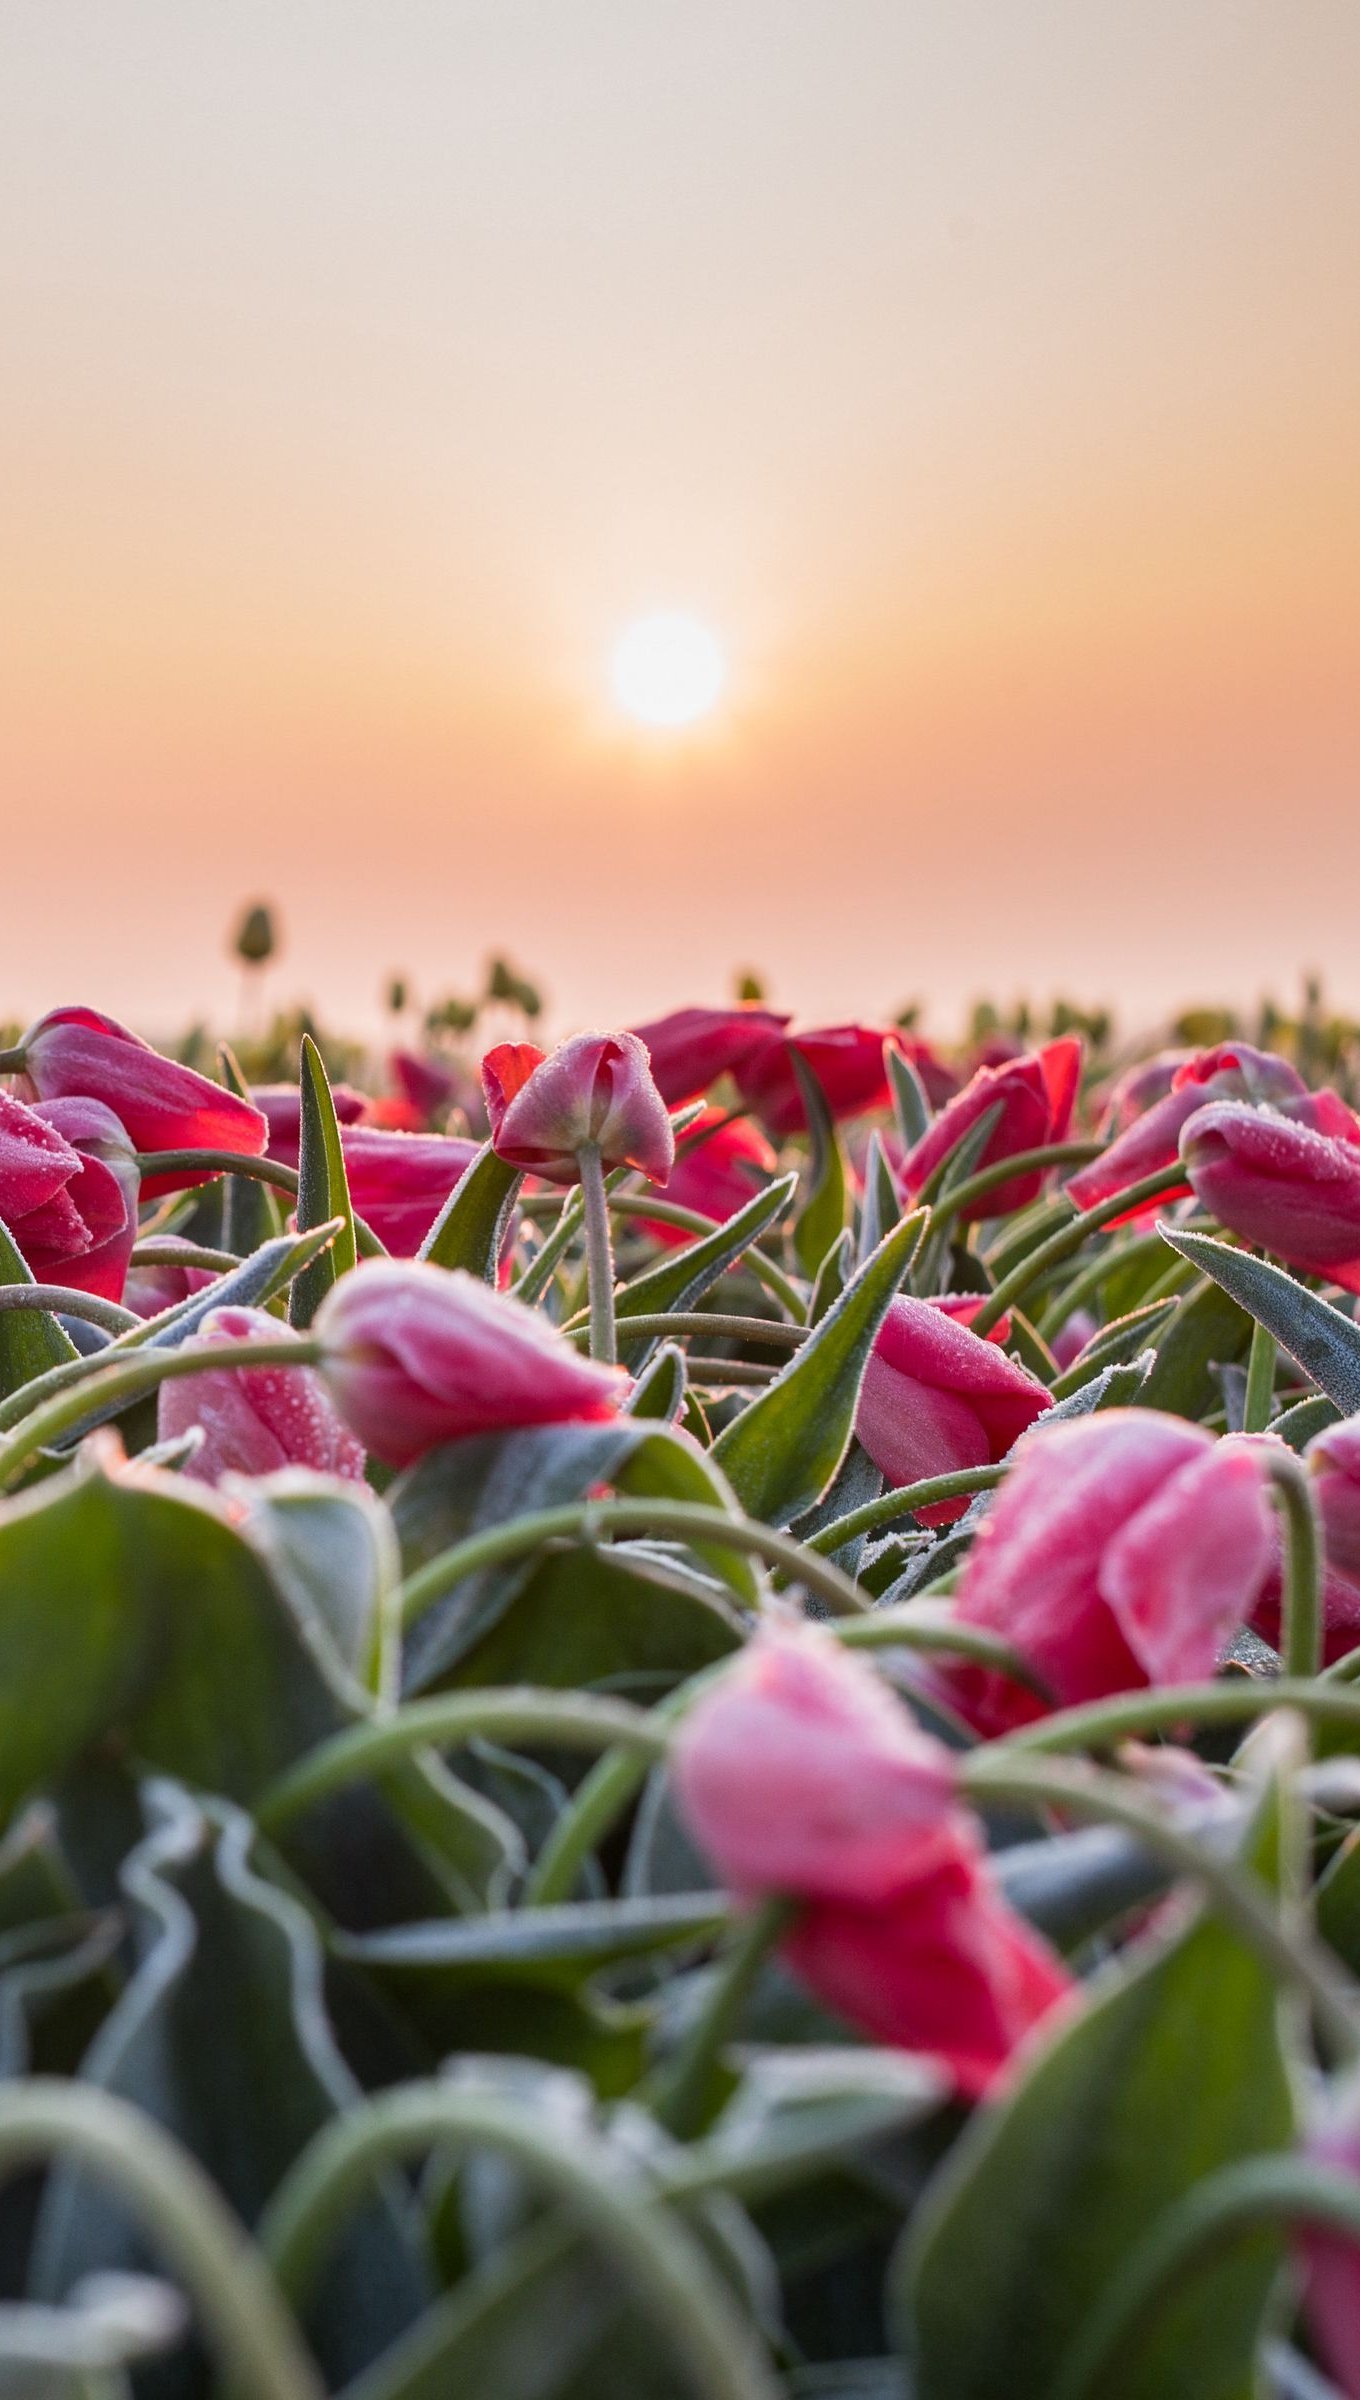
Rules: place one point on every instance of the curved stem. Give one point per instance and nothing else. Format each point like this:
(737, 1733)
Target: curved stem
(1253, 2193)
(1004, 1170)
(1294, 1959)
(135, 1374)
(681, 2093)
(727, 1370)
(573, 1720)
(63, 1298)
(604, 1341)
(686, 1520)
(1097, 1724)
(904, 1501)
(217, 1162)
(1301, 1612)
(714, 2342)
(774, 1330)
(256, 2341)
(167, 1250)
(1068, 1238)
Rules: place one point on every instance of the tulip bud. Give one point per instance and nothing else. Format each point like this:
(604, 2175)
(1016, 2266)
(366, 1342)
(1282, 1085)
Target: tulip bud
(416, 1356)
(1279, 1182)
(1123, 1549)
(596, 1089)
(800, 1776)
(936, 1397)
(255, 1419)
(1148, 1110)
(1036, 1093)
(75, 1053)
(692, 1047)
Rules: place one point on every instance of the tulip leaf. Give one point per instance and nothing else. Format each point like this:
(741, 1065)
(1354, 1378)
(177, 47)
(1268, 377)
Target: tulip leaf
(323, 1188)
(879, 1208)
(832, 1276)
(250, 1212)
(1325, 1343)
(1207, 1330)
(1172, 2067)
(782, 1452)
(31, 1340)
(660, 1387)
(682, 1278)
(562, 1946)
(221, 1949)
(911, 1105)
(471, 1226)
(820, 1220)
(258, 1280)
(631, 1619)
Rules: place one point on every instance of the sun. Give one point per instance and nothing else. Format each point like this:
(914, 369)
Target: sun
(668, 670)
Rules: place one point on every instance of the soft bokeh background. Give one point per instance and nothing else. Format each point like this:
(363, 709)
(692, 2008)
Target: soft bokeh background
(987, 372)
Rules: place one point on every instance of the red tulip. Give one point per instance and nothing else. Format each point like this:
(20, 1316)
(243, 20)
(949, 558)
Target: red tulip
(936, 1397)
(416, 1356)
(1331, 2299)
(281, 1106)
(77, 1054)
(596, 1088)
(801, 1776)
(427, 1084)
(399, 1182)
(1277, 1182)
(256, 1419)
(721, 1163)
(1037, 1094)
(1150, 1140)
(72, 1163)
(692, 1047)
(1122, 1550)
(847, 1061)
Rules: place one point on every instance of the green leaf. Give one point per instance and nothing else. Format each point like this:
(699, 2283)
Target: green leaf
(1122, 1339)
(323, 1188)
(880, 1207)
(631, 1617)
(1173, 2066)
(468, 1486)
(780, 1454)
(659, 1391)
(470, 1227)
(222, 2036)
(1325, 1343)
(250, 1210)
(822, 1215)
(911, 1105)
(832, 1277)
(1208, 1330)
(556, 1948)
(31, 1340)
(683, 1277)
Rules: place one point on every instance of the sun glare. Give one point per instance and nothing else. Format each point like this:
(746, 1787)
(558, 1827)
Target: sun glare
(668, 671)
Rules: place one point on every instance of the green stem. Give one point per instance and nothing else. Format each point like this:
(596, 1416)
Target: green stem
(1099, 1724)
(573, 1721)
(217, 1162)
(1242, 2198)
(681, 2095)
(1004, 1170)
(1301, 1626)
(686, 1520)
(1069, 1238)
(1260, 1393)
(132, 1377)
(169, 1251)
(1295, 1960)
(773, 1330)
(1086, 1285)
(727, 1370)
(60, 1296)
(904, 1501)
(257, 2344)
(655, 2253)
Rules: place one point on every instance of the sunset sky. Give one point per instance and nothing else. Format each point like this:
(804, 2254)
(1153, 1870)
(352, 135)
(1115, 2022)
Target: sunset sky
(985, 374)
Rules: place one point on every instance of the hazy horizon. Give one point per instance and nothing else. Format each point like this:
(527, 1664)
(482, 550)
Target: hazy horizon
(988, 380)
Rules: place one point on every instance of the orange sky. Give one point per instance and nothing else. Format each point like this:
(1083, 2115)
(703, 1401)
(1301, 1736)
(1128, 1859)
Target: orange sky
(987, 374)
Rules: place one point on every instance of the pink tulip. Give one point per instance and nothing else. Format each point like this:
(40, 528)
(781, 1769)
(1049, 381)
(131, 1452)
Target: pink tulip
(1150, 1140)
(426, 1083)
(416, 1356)
(256, 1419)
(1037, 1094)
(68, 1192)
(150, 1289)
(596, 1088)
(721, 1163)
(281, 1106)
(800, 1776)
(936, 1397)
(1123, 1550)
(77, 1054)
(692, 1047)
(1278, 1182)
(847, 1061)
(399, 1182)
(1331, 2298)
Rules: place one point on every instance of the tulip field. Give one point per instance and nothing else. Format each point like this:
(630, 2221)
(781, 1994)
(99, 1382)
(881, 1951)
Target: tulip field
(680, 1714)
